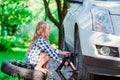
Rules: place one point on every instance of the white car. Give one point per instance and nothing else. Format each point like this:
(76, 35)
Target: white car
(92, 34)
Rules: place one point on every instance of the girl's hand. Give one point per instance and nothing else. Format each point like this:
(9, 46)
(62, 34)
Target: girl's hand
(65, 53)
(66, 63)
(52, 48)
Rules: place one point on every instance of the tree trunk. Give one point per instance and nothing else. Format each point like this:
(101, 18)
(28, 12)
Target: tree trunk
(61, 10)
(61, 36)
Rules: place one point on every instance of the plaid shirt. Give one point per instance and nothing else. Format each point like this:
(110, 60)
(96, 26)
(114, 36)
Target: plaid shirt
(41, 45)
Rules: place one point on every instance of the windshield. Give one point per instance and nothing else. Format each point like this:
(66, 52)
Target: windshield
(107, 0)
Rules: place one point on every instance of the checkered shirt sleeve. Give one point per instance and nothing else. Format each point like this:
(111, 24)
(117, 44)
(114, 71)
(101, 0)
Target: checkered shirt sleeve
(44, 45)
(56, 50)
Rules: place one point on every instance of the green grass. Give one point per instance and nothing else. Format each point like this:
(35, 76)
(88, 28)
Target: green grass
(12, 54)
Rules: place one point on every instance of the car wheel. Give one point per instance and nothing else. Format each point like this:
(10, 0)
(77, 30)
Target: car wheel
(21, 70)
(83, 73)
(86, 75)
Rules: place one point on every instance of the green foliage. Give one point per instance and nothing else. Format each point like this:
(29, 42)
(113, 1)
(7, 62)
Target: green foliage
(21, 42)
(53, 35)
(14, 13)
(13, 41)
(6, 42)
(53, 38)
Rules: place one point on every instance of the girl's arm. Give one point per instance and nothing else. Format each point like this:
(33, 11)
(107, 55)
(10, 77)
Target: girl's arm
(65, 53)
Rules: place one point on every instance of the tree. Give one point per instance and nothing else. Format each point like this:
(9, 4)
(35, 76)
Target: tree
(62, 7)
(12, 14)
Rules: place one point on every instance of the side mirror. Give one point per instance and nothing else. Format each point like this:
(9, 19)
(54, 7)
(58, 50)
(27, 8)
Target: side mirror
(75, 1)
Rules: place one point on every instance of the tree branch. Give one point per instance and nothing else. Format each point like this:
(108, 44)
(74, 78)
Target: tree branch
(49, 14)
(59, 9)
(65, 7)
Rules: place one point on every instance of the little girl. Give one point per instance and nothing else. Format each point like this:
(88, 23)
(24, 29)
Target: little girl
(40, 51)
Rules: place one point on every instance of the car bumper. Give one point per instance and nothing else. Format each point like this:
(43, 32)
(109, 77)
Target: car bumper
(102, 66)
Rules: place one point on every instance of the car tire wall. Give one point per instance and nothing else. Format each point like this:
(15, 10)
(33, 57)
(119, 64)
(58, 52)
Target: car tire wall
(21, 72)
(82, 68)
(86, 75)
(83, 73)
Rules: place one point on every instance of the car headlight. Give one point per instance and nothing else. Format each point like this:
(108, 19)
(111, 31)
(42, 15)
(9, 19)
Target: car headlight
(101, 20)
(107, 51)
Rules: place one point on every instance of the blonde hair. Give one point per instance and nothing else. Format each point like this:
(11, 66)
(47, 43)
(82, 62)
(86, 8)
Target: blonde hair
(39, 32)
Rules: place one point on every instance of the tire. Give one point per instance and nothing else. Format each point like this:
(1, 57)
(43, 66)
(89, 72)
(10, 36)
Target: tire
(20, 69)
(86, 75)
(81, 66)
